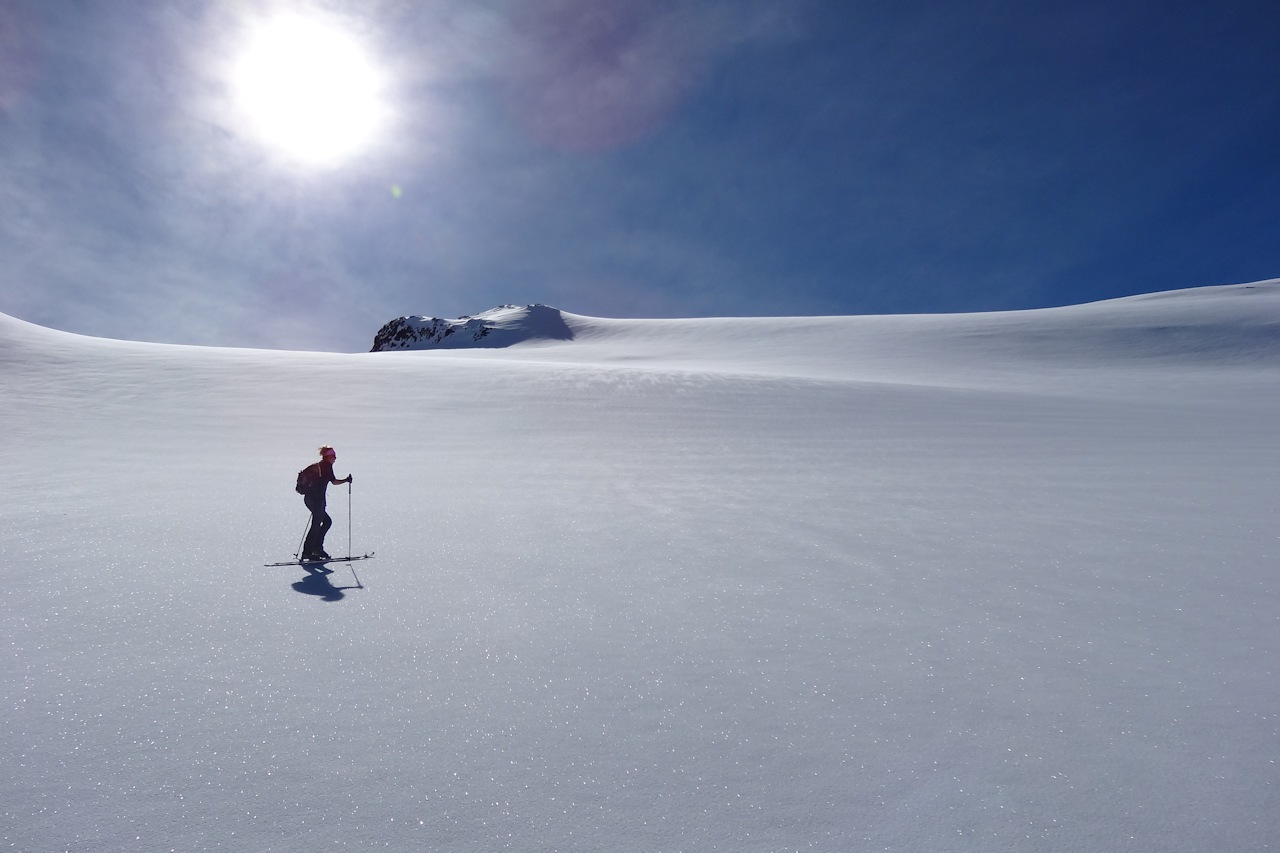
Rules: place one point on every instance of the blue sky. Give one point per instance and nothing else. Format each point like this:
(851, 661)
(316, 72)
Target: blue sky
(671, 158)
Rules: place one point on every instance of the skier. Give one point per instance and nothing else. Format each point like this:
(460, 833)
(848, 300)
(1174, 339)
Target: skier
(314, 497)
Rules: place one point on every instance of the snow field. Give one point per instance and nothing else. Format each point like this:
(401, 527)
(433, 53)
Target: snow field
(972, 583)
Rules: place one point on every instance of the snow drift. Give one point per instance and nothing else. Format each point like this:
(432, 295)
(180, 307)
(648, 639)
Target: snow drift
(970, 582)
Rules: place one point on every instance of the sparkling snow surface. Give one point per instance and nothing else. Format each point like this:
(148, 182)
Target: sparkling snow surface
(935, 583)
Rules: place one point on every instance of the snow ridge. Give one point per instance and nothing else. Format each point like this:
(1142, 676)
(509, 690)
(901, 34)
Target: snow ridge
(497, 327)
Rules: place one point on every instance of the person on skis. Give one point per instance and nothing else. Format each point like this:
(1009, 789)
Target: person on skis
(320, 476)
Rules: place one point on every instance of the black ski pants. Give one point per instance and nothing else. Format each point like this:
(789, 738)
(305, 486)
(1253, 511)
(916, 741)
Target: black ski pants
(320, 524)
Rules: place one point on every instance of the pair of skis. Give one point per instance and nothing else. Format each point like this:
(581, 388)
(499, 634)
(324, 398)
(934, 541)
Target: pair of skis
(322, 561)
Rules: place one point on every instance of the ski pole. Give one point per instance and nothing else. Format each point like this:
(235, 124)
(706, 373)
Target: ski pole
(349, 521)
(302, 541)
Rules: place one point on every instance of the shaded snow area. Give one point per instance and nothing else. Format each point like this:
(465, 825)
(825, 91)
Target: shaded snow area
(935, 583)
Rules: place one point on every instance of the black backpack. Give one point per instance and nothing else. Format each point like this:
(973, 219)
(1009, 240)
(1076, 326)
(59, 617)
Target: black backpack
(308, 479)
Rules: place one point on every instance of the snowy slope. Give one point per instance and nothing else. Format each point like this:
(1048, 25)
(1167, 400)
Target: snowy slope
(971, 582)
(1202, 327)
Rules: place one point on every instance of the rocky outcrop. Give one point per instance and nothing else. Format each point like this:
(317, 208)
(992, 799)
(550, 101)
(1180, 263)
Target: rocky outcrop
(503, 326)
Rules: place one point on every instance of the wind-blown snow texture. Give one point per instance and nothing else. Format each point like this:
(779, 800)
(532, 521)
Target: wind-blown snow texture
(973, 582)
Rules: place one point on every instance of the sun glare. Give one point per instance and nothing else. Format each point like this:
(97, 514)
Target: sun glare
(308, 89)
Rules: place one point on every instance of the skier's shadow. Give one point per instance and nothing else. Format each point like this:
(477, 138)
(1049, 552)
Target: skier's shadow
(317, 583)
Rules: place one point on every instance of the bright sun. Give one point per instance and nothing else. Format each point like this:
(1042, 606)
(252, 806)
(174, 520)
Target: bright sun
(309, 89)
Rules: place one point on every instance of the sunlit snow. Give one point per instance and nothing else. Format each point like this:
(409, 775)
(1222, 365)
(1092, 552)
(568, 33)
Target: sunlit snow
(935, 583)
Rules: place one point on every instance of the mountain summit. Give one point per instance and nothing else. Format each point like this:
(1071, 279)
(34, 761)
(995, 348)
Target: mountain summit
(497, 327)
